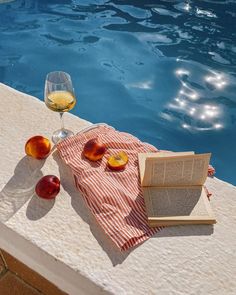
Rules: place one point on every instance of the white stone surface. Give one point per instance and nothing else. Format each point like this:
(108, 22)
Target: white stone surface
(62, 241)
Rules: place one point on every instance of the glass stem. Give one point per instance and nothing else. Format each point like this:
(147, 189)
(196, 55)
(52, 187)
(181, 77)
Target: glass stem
(62, 120)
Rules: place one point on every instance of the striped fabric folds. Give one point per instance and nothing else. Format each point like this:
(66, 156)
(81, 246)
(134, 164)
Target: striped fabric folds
(115, 198)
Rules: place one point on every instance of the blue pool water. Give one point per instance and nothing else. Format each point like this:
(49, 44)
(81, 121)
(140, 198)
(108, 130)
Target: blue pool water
(164, 71)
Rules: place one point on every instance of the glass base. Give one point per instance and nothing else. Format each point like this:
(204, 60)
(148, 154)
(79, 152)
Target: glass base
(61, 134)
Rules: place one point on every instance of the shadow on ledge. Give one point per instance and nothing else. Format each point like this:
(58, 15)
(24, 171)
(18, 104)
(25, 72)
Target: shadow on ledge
(178, 230)
(38, 207)
(185, 230)
(79, 205)
(20, 188)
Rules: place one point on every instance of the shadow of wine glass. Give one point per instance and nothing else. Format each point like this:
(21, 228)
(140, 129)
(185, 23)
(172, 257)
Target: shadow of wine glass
(20, 188)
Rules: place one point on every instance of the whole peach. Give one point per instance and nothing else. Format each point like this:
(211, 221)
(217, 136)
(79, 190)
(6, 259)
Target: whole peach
(48, 187)
(38, 147)
(94, 150)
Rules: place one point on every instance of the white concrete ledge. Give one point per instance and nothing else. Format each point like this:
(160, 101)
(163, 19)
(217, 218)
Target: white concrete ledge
(62, 241)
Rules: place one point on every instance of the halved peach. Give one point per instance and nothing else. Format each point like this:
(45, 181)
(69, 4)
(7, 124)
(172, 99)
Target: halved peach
(118, 162)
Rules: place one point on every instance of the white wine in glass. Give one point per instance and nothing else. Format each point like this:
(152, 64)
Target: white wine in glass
(59, 97)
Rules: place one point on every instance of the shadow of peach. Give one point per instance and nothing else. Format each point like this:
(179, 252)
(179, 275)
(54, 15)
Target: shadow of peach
(38, 207)
(20, 188)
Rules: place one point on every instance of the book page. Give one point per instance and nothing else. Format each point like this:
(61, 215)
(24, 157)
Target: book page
(176, 171)
(143, 156)
(177, 202)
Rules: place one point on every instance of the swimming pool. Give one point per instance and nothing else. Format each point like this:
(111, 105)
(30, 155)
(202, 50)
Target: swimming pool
(164, 71)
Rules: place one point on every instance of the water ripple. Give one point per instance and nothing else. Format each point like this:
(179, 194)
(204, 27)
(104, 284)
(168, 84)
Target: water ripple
(169, 66)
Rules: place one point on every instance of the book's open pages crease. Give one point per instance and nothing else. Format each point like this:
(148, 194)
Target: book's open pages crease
(173, 188)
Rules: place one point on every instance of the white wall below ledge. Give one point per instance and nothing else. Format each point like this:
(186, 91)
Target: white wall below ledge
(61, 240)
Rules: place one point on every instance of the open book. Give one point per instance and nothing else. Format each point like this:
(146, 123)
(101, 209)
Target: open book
(173, 188)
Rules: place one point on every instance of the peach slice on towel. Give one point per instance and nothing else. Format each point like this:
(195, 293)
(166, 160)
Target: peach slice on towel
(118, 162)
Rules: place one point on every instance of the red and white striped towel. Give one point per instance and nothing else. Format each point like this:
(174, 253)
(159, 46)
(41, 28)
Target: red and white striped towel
(115, 198)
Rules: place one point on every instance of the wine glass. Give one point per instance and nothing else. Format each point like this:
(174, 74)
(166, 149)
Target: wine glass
(59, 97)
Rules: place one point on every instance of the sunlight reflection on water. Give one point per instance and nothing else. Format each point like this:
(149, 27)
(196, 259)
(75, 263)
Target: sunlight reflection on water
(210, 114)
(169, 66)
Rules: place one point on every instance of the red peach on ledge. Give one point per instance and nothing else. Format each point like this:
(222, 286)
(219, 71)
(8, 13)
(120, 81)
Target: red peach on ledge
(38, 147)
(48, 187)
(94, 150)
